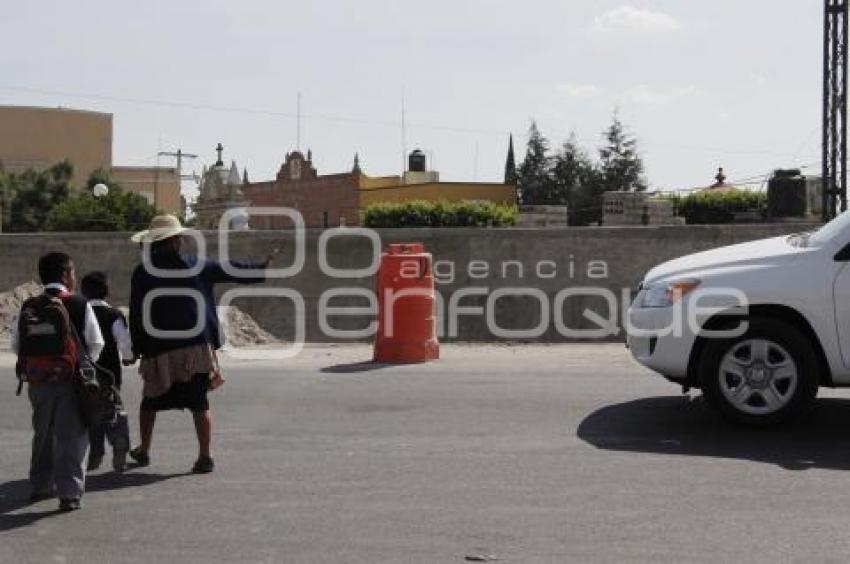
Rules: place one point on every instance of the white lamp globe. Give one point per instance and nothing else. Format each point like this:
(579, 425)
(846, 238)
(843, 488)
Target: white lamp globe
(241, 221)
(100, 190)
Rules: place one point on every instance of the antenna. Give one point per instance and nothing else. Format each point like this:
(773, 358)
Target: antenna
(475, 164)
(156, 170)
(403, 134)
(298, 124)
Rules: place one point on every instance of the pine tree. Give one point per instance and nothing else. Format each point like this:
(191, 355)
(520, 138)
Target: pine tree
(620, 163)
(510, 165)
(577, 183)
(534, 181)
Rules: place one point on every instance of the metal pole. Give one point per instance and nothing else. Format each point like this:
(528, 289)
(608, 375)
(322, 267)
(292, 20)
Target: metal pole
(833, 110)
(834, 150)
(826, 185)
(842, 105)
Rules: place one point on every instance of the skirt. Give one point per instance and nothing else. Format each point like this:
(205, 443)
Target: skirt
(191, 395)
(177, 379)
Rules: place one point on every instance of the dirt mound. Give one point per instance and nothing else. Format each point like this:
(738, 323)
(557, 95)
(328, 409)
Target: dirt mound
(242, 330)
(10, 305)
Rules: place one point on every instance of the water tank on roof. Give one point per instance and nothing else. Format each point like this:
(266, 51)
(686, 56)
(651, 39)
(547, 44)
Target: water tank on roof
(417, 161)
(786, 194)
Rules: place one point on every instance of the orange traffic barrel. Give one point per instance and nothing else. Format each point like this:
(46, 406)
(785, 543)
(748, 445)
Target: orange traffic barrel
(407, 325)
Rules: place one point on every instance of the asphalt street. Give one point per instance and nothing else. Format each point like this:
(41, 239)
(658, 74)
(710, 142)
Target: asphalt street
(525, 453)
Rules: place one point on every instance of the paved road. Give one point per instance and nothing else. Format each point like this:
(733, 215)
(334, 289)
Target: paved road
(532, 454)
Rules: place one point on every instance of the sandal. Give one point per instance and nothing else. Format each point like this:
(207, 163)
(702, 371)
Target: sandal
(204, 465)
(142, 458)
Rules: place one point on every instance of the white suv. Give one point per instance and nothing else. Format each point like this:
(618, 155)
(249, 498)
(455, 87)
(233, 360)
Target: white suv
(757, 326)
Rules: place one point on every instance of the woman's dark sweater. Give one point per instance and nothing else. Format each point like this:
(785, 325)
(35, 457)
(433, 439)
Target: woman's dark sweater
(179, 312)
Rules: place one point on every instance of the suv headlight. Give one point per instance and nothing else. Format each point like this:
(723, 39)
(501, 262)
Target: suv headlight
(665, 294)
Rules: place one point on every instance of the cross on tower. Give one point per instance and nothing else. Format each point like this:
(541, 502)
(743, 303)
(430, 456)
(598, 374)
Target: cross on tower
(218, 149)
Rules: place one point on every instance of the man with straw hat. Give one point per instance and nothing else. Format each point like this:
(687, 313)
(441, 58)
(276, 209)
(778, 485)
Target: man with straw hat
(176, 370)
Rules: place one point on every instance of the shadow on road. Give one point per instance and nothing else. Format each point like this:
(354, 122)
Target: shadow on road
(683, 426)
(14, 495)
(354, 367)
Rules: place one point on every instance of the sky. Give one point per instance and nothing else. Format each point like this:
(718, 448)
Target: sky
(701, 84)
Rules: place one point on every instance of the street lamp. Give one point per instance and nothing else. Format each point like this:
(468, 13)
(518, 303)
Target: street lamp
(100, 190)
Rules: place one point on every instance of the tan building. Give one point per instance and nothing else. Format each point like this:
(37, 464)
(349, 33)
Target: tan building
(159, 185)
(32, 137)
(40, 137)
(420, 183)
(391, 189)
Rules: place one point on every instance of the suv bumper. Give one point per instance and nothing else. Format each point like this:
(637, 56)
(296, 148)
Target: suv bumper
(659, 342)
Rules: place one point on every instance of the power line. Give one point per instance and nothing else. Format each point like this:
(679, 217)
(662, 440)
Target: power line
(245, 110)
(297, 116)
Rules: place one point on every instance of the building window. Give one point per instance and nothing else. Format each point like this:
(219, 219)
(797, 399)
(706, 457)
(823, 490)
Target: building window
(325, 220)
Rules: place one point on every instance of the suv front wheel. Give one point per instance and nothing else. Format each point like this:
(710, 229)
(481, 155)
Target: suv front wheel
(767, 375)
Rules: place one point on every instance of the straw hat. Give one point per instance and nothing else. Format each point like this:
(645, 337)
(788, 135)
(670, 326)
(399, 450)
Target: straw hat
(162, 227)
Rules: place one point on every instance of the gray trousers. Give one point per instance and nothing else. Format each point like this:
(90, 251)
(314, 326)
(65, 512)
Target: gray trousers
(117, 433)
(60, 441)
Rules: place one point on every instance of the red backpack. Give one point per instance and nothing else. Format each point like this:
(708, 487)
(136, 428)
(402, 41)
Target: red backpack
(47, 342)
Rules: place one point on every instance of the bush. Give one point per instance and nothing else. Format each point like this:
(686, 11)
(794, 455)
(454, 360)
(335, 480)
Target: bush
(28, 196)
(717, 206)
(439, 214)
(117, 211)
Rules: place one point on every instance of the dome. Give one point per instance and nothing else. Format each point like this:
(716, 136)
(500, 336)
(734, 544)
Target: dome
(220, 182)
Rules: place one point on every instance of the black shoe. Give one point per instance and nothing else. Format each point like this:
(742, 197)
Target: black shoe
(35, 497)
(69, 504)
(119, 459)
(94, 462)
(204, 465)
(141, 458)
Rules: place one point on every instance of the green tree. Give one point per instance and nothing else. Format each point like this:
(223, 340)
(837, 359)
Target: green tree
(577, 183)
(620, 163)
(31, 195)
(117, 211)
(534, 179)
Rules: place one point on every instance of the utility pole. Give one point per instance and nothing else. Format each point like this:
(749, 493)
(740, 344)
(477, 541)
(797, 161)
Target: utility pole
(834, 149)
(179, 155)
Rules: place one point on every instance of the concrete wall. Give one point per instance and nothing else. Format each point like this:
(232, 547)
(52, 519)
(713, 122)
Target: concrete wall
(483, 258)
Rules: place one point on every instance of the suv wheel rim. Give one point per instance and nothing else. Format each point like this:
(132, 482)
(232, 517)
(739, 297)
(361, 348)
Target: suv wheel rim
(758, 376)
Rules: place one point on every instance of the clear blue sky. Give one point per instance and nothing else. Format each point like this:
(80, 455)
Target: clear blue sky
(702, 83)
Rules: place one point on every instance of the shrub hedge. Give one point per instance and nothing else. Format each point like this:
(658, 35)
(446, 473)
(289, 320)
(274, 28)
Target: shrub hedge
(439, 214)
(719, 206)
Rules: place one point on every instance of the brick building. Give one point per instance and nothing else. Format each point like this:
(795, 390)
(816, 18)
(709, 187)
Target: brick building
(329, 200)
(326, 200)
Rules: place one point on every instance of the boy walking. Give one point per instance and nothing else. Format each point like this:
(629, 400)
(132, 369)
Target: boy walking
(118, 350)
(46, 338)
